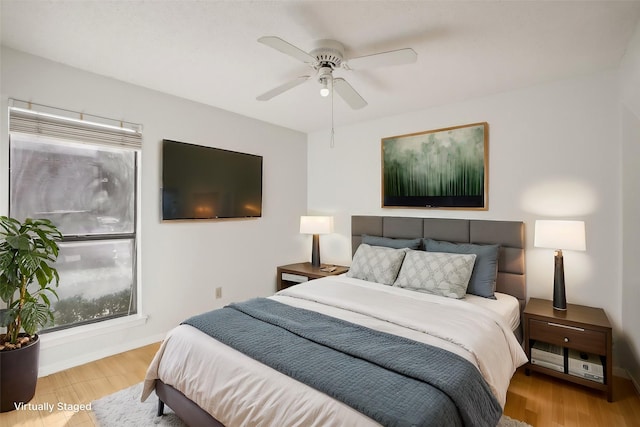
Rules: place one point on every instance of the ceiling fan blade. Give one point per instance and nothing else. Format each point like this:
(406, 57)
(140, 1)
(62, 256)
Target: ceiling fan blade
(282, 88)
(383, 59)
(349, 94)
(287, 48)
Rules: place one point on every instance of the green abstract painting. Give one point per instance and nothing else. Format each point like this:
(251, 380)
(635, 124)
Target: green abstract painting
(442, 168)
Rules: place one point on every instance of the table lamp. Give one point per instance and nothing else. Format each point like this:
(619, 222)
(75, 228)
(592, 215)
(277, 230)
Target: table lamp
(558, 235)
(316, 225)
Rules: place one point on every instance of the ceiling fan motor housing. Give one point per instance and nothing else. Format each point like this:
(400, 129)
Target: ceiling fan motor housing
(328, 53)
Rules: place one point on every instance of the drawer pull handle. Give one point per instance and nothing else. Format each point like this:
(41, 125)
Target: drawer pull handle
(565, 326)
(566, 339)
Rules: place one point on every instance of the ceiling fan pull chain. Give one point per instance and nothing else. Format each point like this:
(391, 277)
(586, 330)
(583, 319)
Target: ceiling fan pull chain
(332, 143)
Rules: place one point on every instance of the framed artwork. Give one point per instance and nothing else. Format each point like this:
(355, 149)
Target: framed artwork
(442, 168)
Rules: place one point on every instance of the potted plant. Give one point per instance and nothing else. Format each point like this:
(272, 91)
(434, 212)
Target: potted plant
(27, 280)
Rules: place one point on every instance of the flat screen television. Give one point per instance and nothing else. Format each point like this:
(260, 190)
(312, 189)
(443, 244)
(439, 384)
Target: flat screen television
(209, 183)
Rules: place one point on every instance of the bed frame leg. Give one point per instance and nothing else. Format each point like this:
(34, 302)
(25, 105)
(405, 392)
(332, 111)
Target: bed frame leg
(160, 408)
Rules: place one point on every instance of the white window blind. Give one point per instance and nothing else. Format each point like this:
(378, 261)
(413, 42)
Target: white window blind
(34, 119)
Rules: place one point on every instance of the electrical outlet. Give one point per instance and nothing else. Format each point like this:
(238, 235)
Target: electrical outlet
(218, 293)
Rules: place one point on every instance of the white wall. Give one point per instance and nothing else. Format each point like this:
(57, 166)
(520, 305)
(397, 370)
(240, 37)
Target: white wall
(554, 152)
(182, 262)
(630, 123)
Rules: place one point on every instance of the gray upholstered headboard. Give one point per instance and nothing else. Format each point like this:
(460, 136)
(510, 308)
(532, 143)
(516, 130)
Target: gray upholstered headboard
(508, 234)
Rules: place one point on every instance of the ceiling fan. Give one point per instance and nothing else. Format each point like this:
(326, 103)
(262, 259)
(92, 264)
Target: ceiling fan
(328, 56)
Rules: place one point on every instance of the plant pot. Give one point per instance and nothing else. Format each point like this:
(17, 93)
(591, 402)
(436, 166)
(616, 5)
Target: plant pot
(18, 375)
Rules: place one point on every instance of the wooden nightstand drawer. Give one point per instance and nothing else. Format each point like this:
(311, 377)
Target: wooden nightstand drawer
(293, 274)
(568, 336)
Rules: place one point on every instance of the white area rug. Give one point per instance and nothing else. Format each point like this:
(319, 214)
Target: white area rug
(123, 409)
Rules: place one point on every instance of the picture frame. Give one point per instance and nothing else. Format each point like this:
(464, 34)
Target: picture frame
(442, 168)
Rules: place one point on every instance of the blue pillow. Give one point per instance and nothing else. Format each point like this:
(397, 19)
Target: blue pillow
(485, 270)
(388, 242)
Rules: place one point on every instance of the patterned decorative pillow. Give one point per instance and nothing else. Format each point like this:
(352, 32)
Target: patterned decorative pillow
(437, 273)
(376, 264)
(485, 270)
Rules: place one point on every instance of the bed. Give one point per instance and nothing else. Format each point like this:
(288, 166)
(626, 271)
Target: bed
(380, 331)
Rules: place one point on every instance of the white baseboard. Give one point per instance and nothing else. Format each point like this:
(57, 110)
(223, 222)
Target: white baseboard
(52, 368)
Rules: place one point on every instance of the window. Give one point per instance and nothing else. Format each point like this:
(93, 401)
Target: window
(86, 185)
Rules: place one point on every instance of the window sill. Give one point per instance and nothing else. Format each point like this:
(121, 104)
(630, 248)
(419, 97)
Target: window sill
(79, 333)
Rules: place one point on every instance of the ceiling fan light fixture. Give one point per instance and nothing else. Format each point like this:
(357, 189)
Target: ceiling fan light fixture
(324, 90)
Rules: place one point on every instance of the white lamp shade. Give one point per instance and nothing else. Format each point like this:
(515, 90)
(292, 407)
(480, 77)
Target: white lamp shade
(316, 224)
(556, 234)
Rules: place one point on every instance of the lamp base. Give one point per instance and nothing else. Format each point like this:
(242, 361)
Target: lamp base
(315, 251)
(559, 295)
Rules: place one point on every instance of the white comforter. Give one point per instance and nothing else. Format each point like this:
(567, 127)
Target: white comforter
(238, 391)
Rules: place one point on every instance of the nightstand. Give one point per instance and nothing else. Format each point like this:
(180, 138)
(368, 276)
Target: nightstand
(292, 274)
(578, 330)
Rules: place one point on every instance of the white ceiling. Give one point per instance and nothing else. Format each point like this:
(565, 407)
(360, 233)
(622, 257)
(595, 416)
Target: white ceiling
(207, 51)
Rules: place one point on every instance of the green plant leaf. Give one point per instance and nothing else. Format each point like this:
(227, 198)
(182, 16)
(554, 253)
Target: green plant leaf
(20, 242)
(7, 315)
(10, 225)
(45, 299)
(33, 315)
(7, 290)
(41, 276)
(53, 291)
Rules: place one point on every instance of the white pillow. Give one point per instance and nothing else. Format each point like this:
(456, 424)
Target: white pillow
(376, 264)
(437, 273)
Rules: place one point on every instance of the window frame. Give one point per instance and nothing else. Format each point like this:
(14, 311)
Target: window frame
(135, 305)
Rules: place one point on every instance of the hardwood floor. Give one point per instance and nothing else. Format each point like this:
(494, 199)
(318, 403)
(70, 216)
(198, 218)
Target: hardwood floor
(82, 384)
(539, 400)
(544, 401)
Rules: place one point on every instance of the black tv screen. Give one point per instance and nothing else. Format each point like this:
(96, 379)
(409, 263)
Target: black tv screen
(207, 183)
